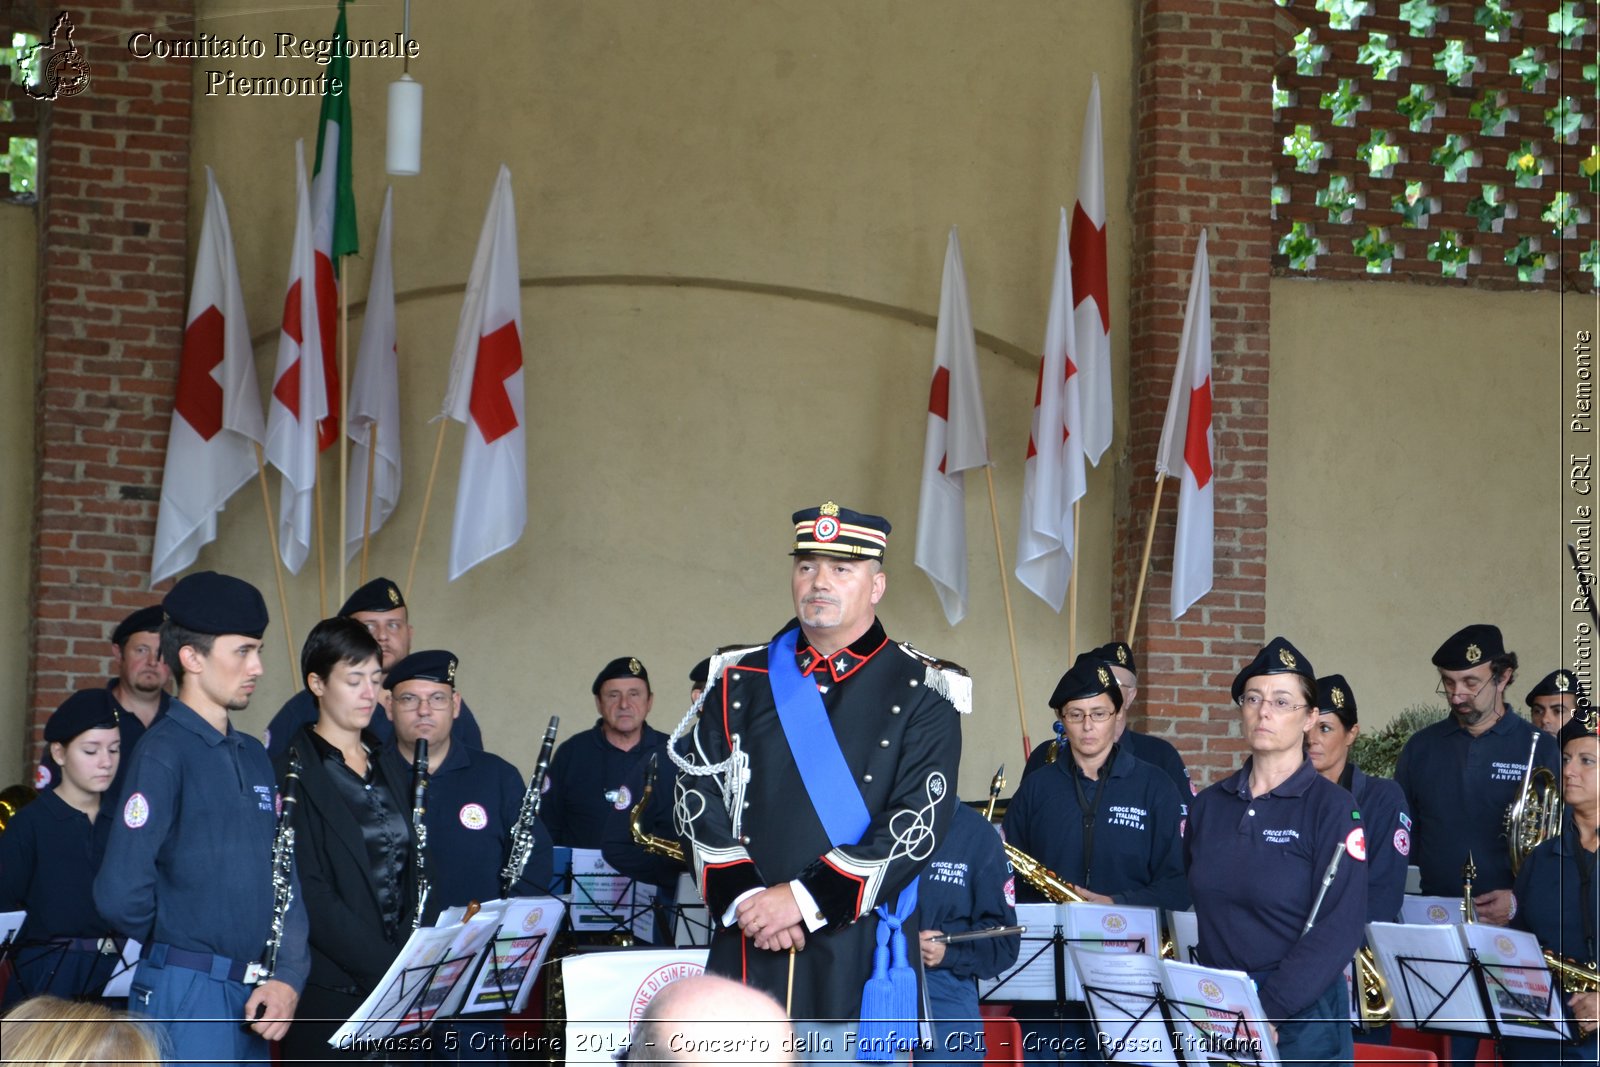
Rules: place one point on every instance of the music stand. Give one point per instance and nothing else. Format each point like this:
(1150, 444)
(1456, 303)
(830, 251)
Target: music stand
(426, 975)
(601, 900)
(513, 957)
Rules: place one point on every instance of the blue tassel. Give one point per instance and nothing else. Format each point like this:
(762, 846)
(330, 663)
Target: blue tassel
(878, 1001)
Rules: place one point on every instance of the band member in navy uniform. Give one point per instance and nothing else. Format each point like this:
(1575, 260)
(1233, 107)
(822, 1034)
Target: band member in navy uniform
(188, 870)
(1259, 846)
(352, 837)
(1552, 702)
(379, 607)
(1156, 751)
(138, 692)
(968, 885)
(590, 771)
(1558, 895)
(836, 726)
(1106, 822)
(473, 800)
(1460, 774)
(1384, 819)
(49, 854)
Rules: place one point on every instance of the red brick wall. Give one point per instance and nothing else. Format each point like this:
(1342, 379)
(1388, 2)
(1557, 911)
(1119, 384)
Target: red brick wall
(1203, 158)
(113, 216)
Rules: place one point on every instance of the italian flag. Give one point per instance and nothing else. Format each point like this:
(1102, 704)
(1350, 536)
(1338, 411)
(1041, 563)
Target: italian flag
(333, 214)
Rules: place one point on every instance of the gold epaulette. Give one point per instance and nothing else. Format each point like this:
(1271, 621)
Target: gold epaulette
(949, 680)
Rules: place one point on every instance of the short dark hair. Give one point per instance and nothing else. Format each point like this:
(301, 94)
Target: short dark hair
(175, 637)
(1502, 663)
(335, 641)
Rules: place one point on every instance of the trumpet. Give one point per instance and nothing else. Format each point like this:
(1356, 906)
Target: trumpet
(1535, 816)
(660, 846)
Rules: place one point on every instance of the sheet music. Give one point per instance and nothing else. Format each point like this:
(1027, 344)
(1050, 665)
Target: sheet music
(1033, 976)
(1430, 911)
(1426, 967)
(692, 926)
(10, 923)
(1185, 934)
(1120, 989)
(1218, 1016)
(434, 957)
(526, 928)
(603, 899)
(1522, 995)
(121, 980)
(1115, 928)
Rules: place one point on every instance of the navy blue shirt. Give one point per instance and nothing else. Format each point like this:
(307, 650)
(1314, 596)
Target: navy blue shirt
(968, 885)
(129, 725)
(1156, 751)
(1256, 865)
(588, 782)
(301, 710)
(48, 857)
(1458, 787)
(189, 861)
(1137, 854)
(1387, 828)
(1551, 899)
(473, 801)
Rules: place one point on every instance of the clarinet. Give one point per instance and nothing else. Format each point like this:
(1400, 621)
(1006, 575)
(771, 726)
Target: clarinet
(282, 868)
(522, 833)
(419, 829)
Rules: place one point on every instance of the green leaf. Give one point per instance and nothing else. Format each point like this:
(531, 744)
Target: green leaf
(1300, 246)
(1528, 262)
(1423, 15)
(1378, 54)
(1372, 247)
(1417, 107)
(1308, 55)
(1528, 66)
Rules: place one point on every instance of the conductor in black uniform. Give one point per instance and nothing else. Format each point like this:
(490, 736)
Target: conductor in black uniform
(807, 831)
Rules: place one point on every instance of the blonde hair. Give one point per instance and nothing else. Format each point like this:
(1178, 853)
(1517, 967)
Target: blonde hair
(51, 1032)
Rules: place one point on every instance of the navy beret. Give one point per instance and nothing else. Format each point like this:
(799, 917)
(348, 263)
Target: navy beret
(1556, 683)
(1335, 697)
(1089, 677)
(432, 665)
(829, 530)
(621, 667)
(87, 709)
(1118, 654)
(701, 671)
(1470, 646)
(1582, 724)
(143, 621)
(210, 603)
(380, 594)
(1277, 656)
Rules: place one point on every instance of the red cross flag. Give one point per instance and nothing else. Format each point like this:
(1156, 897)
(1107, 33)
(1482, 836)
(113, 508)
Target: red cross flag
(486, 393)
(216, 418)
(957, 441)
(1053, 476)
(375, 399)
(299, 396)
(1091, 315)
(1188, 444)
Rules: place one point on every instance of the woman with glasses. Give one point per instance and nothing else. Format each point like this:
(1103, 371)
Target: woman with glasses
(352, 837)
(1106, 822)
(1259, 847)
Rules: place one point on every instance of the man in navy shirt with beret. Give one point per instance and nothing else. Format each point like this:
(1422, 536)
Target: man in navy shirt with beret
(188, 869)
(1460, 774)
(381, 608)
(1552, 702)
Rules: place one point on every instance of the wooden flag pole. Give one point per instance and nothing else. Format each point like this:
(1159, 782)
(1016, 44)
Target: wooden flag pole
(1144, 564)
(1011, 625)
(427, 498)
(292, 659)
(322, 559)
(344, 417)
(366, 510)
(1072, 583)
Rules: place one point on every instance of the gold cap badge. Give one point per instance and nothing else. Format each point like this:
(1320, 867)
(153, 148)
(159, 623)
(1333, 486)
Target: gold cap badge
(1338, 697)
(394, 596)
(1122, 654)
(1287, 658)
(634, 666)
(1104, 675)
(1474, 653)
(830, 508)
(1561, 683)
(450, 672)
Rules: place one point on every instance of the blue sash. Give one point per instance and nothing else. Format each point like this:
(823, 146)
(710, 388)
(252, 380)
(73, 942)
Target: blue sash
(889, 999)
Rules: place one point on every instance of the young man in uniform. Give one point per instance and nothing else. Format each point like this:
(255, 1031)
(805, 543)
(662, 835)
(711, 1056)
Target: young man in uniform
(825, 776)
(1460, 774)
(188, 870)
(589, 774)
(138, 692)
(379, 607)
(1552, 702)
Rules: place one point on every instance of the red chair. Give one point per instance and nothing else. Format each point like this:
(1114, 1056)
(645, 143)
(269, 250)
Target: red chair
(1002, 1035)
(1394, 1054)
(1436, 1043)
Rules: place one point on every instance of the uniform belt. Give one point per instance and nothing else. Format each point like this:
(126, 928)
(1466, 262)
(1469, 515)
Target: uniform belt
(220, 968)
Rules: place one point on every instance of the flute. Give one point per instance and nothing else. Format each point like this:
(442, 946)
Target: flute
(979, 935)
(1327, 880)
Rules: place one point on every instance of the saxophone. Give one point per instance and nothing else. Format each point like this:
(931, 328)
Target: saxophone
(1376, 1003)
(660, 846)
(1574, 977)
(1054, 887)
(522, 838)
(282, 873)
(1535, 816)
(419, 829)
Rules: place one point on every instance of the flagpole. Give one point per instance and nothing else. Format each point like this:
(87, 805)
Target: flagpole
(1011, 625)
(1144, 563)
(427, 498)
(344, 417)
(322, 560)
(366, 511)
(1072, 586)
(277, 565)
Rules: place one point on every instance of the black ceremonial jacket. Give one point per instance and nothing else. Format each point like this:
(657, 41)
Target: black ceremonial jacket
(901, 738)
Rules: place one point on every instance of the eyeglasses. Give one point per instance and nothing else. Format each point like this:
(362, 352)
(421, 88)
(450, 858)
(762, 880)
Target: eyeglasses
(1255, 702)
(1097, 715)
(1458, 686)
(437, 700)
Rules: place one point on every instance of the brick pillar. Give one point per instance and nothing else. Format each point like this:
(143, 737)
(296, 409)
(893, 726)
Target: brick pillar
(113, 249)
(1204, 157)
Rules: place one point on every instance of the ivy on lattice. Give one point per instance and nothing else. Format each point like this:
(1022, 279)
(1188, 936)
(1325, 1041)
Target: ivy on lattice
(1305, 149)
(1495, 19)
(1455, 156)
(1423, 15)
(1528, 260)
(1491, 113)
(1457, 63)
(1343, 14)
(1380, 54)
(1338, 198)
(1565, 214)
(1590, 261)
(1379, 155)
(1375, 247)
(1308, 54)
(1569, 23)
(1414, 206)
(1526, 165)
(1451, 255)
(1489, 208)
(1345, 102)
(1564, 120)
(1417, 107)
(1300, 244)
(1529, 65)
